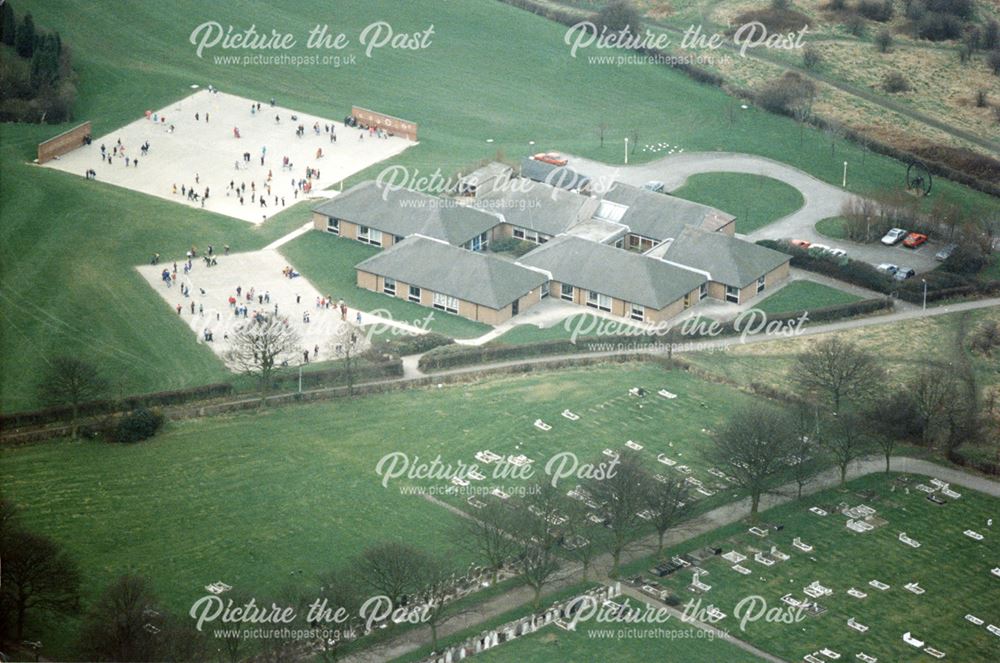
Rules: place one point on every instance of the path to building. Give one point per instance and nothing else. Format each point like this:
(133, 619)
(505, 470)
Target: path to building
(571, 574)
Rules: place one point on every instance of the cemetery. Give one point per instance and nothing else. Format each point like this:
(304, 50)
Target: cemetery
(913, 582)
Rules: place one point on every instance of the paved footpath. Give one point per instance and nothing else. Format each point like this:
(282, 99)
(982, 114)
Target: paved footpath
(571, 574)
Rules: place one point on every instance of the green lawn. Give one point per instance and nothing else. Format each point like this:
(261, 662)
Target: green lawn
(328, 262)
(68, 245)
(833, 227)
(754, 200)
(255, 499)
(803, 296)
(953, 569)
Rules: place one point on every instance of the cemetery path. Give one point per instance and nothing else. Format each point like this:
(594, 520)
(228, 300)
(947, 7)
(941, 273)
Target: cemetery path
(571, 573)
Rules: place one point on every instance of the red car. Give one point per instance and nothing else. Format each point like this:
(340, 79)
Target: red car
(553, 158)
(801, 243)
(913, 240)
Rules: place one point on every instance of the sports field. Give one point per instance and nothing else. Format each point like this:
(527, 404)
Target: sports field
(69, 245)
(951, 568)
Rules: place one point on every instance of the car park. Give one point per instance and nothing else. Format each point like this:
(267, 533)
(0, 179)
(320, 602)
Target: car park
(904, 273)
(945, 252)
(913, 240)
(893, 237)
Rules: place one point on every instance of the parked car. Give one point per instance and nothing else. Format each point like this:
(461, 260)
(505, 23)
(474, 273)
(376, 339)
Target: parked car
(837, 253)
(656, 186)
(801, 243)
(945, 252)
(819, 248)
(904, 273)
(893, 237)
(553, 158)
(888, 268)
(913, 240)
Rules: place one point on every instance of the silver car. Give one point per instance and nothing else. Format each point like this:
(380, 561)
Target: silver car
(945, 252)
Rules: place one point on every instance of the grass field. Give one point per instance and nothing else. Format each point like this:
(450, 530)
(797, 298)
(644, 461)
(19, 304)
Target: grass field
(953, 569)
(804, 295)
(834, 227)
(260, 500)
(329, 262)
(68, 245)
(754, 200)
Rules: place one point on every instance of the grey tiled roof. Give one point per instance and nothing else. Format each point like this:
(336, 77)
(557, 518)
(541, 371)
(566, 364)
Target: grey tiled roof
(661, 216)
(404, 212)
(618, 273)
(562, 177)
(450, 270)
(729, 260)
(536, 206)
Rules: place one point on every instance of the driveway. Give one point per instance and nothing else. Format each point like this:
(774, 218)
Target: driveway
(822, 200)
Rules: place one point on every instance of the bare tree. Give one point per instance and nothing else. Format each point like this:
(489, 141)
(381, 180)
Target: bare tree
(538, 537)
(846, 439)
(259, 347)
(347, 344)
(437, 580)
(115, 628)
(36, 576)
(338, 590)
(890, 419)
(390, 568)
(752, 447)
(837, 371)
(932, 390)
(601, 128)
(804, 447)
(487, 535)
(668, 503)
(802, 111)
(68, 381)
(622, 496)
(579, 542)
(834, 131)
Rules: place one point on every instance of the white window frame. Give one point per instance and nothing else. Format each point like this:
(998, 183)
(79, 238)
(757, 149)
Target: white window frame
(518, 233)
(598, 301)
(445, 303)
(333, 225)
(761, 284)
(368, 235)
(564, 294)
(703, 291)
(729, 294)
(389, 286)
(415, 298)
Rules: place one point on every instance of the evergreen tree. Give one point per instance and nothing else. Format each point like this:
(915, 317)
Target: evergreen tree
(8, 24)
(24, 43)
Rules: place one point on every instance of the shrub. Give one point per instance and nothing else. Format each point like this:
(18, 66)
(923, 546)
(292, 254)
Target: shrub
(993, 60)
(876, 10)
(511, 245)
(896, 82)
(811, 57)
(967, 260)
(409, 344)
(883, 41)
(783, 94)
(935, 26)
(991, 36)
(961, 8)
(780, 5)
(982, 99)
(138, 425)
(837, 5)
(855, 25)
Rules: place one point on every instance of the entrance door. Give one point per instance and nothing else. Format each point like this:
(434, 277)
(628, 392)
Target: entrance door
(515, 307)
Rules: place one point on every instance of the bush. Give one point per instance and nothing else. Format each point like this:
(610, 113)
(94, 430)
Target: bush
(883, 41)
(993, 60)
(138, 425)
(876, 10)
(896, 82)
(935, 26)
(837, 5)
(511, 245)
(964, 9)
(855, 25)
(966, 260)
(991, 36)
(982, 99)
(409, 344)
(783, 94)
(811, 57)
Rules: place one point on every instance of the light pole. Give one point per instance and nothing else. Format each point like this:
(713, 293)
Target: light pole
(925, 293)
(300, 378)
(844, 185)
(626, 150)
